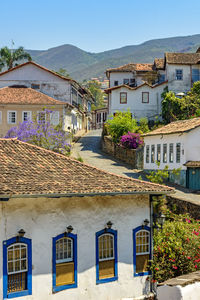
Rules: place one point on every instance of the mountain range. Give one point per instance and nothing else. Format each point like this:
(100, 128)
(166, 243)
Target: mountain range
(82, 65)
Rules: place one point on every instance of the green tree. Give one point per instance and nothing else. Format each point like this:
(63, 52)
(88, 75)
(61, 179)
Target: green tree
(120, 124)
(175, 108)
(95, 88)
(9, 58)
(63, 72)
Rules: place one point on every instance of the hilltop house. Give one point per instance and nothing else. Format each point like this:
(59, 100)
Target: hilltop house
(139, 86)
(18, 104)
(61, 88)
(178, 146)
(69, 230)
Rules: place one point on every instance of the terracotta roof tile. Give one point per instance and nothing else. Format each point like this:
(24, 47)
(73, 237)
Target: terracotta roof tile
(26, 169)
(192, 164)
(159, 63)
(132, 67)
(183, 58)
(176, 127)
(21, 95)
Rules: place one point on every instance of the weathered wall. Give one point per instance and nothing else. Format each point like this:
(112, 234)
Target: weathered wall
(4, 126)
(130, 156)
(134, 101)
(120, 76)
(183, 207)
(178, 86)
(44, 218)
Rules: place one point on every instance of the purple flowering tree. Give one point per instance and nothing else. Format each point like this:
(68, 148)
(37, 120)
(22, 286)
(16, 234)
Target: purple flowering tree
(42, 133)
(131, 140)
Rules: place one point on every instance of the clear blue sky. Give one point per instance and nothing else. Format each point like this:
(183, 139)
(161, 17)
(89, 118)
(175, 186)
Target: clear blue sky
(95, 25)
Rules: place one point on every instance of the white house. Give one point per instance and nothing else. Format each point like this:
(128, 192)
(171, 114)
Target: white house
(69, 230)
(127, 90)
(56, 86)
(178, 146)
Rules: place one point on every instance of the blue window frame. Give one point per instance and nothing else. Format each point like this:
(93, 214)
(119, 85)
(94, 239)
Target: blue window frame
(141, 249)
(106, 253)
(17, 267)
(65, 254)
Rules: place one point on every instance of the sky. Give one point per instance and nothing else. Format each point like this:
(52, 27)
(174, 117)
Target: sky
(95, 26)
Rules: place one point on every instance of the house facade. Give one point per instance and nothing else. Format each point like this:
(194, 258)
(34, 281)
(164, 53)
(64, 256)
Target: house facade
(176, 145)
(56, 86)
(99, 117)
(66, 238)
(127, 88)
(19, 104)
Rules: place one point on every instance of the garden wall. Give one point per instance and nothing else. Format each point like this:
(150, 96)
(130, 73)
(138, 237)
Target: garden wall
(180, 206)
(133, 157)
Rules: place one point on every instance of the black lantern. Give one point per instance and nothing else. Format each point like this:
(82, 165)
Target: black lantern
(21, 233)
(161, 219)
(109, 224)
(145, 222)
(69, 229)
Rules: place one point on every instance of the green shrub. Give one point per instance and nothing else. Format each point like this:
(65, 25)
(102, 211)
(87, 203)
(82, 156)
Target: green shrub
(120, 124)
(176, 247)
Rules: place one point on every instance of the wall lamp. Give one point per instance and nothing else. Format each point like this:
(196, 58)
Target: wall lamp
(145, 223)
(109, 224)
(159, 219)
(21, 233)
(69, 229)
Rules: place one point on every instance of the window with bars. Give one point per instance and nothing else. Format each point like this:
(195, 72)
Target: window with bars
(178, 152)
(17, 267)
(152, 153)
(158, 153)
(142, 250)
(12, 116)
(164, 153)
(106, 255)
(147, 154)
(26, 116)
(171, 153)
(64, 262)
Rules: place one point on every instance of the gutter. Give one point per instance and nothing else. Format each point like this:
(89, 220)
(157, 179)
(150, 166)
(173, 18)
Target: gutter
(54, 195)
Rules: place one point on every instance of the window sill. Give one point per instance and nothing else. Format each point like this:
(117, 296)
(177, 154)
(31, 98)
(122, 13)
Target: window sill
(142, 274)
(64, 287)
(106, 280)
(19, 294)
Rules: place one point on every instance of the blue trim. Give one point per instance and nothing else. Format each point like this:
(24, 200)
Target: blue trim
(134, 249)
(6, 244)
(99, 233)
(66, 286)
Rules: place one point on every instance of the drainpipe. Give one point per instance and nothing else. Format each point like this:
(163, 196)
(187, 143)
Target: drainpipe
(152, 285)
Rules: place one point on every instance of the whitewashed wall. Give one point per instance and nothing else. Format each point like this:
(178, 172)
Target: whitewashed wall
(189, 292)
(178, 86)
(134, 101)
(120, 76)
(43, 219)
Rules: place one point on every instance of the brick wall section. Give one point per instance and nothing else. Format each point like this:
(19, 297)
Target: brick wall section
(131, 156)
(182, 207)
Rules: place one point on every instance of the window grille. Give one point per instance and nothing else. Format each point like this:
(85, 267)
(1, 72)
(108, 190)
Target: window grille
(26, 116)
(142, 242)
(17, 266)
(147, 154)
(164, 153)
(171, 153)
(64, 250)
(106, 247)
(178, 152)
(158, 153)
(152, 153)
(11, 117)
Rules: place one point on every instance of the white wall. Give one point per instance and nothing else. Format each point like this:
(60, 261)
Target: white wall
(189, 292)
(120, 76)
(134, 101)
(178, 85)
(190, 148)
(43, 219)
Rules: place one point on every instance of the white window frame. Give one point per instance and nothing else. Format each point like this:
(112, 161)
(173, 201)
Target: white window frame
(0, 117)
(102, 249)
(26, 111)
(69, 259)
(143, 244)
(20, 259)
(11, 111)
(52, 117)
(41, 111)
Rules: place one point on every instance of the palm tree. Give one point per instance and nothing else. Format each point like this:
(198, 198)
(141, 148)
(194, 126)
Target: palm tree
(9, 58)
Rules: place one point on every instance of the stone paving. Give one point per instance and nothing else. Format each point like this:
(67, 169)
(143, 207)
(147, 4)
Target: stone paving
(89, 149)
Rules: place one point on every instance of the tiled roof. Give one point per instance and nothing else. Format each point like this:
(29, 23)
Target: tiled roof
(192, 164)
(132, 67)
(183, 58)
(159, 63)
(28, 170)
(133, 88)
(176, 127)
(22, 95)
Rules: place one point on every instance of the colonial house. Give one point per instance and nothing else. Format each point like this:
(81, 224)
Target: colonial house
(139, 86)
(19, 103)
(56, 86)
(176, 145)
(99, 117)
(69, 230)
